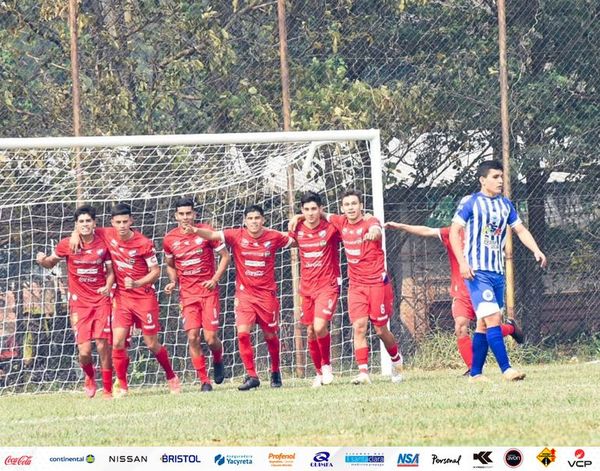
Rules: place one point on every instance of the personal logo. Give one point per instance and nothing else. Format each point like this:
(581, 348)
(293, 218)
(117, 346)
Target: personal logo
(166, 458)
(547, 457)
(513, 458)
(483, 459)
(406, 460)
(90, 459)
(435, 459)
(364, 459)
(321, 460)
(579, 461)
(24, 460)
(281, 460)
(233, 460)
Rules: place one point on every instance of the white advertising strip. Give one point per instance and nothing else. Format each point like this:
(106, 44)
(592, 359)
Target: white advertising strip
(301, 458)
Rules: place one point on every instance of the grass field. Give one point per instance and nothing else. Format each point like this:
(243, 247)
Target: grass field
(556, 404)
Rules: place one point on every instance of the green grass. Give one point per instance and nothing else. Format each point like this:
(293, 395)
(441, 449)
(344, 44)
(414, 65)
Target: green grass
(556, 404)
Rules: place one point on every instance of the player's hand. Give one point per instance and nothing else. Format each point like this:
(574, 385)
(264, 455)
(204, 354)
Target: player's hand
(170, 287)
(294, 221)
(188, 229)
(466, 271)
(540, 258)
(129, 283)
(367, 216)
(209, 284)
(75, 242)
(104, 291)
(40, 257)
(392, 225)
(371, 236)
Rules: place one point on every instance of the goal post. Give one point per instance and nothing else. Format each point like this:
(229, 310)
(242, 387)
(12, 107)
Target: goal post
(223, 172)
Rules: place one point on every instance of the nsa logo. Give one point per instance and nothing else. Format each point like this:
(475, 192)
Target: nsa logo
(408, 460)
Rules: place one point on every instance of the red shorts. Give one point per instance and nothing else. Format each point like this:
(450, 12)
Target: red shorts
(463, 307)
(263, 309)
(91, 323)
(202, 313)
(321, 304)
(375, 302)
(141, 312)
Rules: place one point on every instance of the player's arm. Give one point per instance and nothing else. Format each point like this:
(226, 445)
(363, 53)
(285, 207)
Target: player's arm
(110, 280)
(206, 234)
(294, 221)
(224, 259)
(148, 279)
(421, 231)
(47, 261)
(465, 270)
(172, 274)
(529, 242)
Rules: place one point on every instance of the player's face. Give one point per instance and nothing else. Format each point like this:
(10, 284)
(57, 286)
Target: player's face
(85, 225)
(352, 207)
(254, 222)
(122, 224)
(185, 215)
(491, 184)
(312, 213)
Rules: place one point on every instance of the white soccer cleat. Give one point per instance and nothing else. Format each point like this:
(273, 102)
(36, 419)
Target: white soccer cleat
(120, 393)
(362, 378)
(317, 382)
(327, 373)
(513, 375)
(397, 373)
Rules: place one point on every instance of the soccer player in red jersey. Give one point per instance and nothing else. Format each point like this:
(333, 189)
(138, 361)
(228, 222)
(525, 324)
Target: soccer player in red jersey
(318, 243)
(462, 307)
(90, 277)
(191, 262)
(254, 248)
(136, 269)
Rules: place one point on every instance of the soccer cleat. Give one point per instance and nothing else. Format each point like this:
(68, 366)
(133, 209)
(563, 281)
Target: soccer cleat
(397, 372)
(218, 373)
(327, 372)
(89, 387)
(174, 385)
(317, 382)
(206, 387)
(513, 375)
(119, 393)
(107, 395)
(249, 383)
(467, 373)
(479, 379)
(276, 379)
(518, 332)
(362, 378)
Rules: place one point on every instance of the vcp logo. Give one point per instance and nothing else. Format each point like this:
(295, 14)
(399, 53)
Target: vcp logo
(321, 460)
(579, 462)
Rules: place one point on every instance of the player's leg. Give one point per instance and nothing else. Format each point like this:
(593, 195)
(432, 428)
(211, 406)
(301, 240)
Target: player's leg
(358, 311)
(268, 319)
(162, 356)
(120, 359)
(307, 319)
(463, 313)
(105, 353)
(325, 306)
(211, 310)
(85, 360)
(244, 331)
(381, 303)
(192, 322)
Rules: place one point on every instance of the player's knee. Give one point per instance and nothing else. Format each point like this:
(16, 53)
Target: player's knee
(310, 332)
(193, 337)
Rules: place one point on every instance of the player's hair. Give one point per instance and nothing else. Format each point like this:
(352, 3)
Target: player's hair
(484, 167)
(352, 192)
(85, 209)
(254, 208)
(311, 197)
(120, 209)
(183, 202)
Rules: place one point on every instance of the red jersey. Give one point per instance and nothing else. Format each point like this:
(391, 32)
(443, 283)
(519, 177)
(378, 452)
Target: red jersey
(86, 272)
(366, 259)
(458, 288)
(255, 258)
(194, 259)
(131, 258)
(319, 256)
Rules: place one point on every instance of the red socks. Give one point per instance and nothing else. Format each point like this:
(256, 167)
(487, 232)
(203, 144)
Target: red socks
(163, 358)
(394, 353)
(107, 380)
(465, 348)
(362, 359)
(273, 347)
(120, 364)
(325, 348)
(315, 353)
(247, 353)
(507, 329)
(200, 367)
(217, 355)
(89, 370)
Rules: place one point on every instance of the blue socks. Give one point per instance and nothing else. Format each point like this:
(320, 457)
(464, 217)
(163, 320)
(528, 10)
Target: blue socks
(496, 342)
(480, 349)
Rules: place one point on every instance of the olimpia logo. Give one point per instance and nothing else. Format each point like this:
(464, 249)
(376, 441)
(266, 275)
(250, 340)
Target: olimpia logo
(90, 459)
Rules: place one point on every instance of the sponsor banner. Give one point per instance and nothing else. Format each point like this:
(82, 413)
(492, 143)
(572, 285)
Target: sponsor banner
(541, 458)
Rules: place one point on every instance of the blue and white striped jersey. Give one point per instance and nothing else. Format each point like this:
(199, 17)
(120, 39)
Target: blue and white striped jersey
(485, 220)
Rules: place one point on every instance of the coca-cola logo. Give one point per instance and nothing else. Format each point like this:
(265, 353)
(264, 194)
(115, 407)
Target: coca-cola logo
(24, 460)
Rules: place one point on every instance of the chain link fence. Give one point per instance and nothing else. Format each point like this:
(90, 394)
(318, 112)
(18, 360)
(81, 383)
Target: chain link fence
(425, 72)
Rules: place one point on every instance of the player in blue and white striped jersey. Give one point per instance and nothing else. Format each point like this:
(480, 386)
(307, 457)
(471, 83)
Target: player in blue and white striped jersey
(485, 216)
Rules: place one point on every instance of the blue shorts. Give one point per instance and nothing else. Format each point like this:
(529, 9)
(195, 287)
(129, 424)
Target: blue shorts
(487, 292)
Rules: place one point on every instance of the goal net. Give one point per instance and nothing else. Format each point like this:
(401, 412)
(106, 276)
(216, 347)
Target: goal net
(44, 178)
